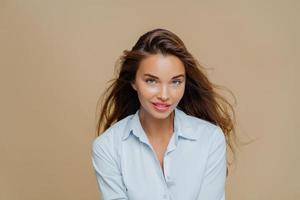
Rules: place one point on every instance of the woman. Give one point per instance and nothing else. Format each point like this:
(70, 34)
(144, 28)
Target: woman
(164, 127)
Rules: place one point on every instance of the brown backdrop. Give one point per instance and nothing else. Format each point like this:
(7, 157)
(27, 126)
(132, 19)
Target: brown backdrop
(56, 57)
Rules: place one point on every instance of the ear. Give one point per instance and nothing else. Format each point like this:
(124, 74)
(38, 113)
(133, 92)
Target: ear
(133, 85)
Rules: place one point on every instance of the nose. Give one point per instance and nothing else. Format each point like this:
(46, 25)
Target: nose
(163, 93)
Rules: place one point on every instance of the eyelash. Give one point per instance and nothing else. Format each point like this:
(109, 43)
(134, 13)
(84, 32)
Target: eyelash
(177, 81)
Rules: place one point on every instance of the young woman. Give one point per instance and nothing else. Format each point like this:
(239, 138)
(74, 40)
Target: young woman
(164, 127)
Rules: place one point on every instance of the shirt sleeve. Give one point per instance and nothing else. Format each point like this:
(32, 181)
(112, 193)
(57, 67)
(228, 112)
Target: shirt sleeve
(213, 184)
(108, 175)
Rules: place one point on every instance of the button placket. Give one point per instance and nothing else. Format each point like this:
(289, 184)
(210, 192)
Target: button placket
(166, 167)
(170, 148)
(168, 178)
(160, 171)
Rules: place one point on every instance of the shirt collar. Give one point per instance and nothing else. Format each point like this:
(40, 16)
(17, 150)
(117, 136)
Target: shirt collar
(181, 126)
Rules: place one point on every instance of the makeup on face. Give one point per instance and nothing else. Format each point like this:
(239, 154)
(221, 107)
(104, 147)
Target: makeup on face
(160, 84)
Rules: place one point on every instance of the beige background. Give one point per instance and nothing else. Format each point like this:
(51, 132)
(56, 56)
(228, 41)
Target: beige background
(56, 57)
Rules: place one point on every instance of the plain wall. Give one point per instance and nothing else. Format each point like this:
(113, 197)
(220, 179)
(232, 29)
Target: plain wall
(56, 57)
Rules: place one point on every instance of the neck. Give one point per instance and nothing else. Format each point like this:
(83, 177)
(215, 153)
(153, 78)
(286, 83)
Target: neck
(157, 128)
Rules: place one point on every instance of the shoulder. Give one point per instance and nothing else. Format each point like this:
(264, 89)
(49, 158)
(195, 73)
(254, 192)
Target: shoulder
(201, 128)
(111, 137)
(209, 132)
(210, 136)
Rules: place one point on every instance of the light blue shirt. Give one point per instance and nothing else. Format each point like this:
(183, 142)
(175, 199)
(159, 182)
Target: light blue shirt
(127, 167)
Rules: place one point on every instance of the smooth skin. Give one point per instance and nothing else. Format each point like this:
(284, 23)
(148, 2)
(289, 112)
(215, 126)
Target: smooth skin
(159, 79)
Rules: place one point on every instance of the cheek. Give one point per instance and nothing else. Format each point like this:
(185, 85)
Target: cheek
(145, 91)
(177, 97)
(182, 91)
(148, 92)
(178, 93)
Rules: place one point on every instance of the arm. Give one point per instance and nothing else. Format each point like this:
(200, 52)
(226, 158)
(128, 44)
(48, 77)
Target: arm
(108, 174)
(213, 184)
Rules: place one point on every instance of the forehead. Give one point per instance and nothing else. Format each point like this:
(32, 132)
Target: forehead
(161, 65)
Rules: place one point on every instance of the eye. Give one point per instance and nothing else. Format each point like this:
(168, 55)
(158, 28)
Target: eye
(150, 81)
(176, 82)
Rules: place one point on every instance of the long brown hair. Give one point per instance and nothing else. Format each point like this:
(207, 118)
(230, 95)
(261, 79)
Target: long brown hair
(200, 98)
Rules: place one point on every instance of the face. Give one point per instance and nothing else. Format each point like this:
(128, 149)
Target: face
(160, 83)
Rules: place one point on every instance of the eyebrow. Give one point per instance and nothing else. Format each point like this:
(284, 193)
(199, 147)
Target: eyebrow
(177, 76)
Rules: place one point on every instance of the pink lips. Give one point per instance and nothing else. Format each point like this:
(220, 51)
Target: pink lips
(161, 106)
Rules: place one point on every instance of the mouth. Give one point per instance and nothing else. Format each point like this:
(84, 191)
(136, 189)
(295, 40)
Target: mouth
(161, 107)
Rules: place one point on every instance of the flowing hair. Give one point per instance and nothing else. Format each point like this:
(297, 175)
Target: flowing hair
(200, 98)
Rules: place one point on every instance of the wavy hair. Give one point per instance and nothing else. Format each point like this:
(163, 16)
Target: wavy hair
(200, 98)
